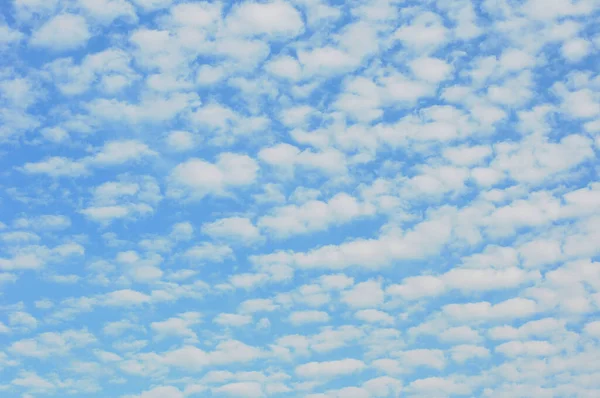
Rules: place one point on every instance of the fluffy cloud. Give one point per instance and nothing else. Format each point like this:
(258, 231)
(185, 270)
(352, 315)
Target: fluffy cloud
(178, 326)
(314, 215)
(180, 140)
(64, 32)
(56, 167)
(430, 69)
(232, 228)
(302, 317)
(160, 392)
(287, 157)
(52, 344)
(276, 18)
(233, 319)
(197, 178)
(112, 153)
(342, 367)
(364, 294)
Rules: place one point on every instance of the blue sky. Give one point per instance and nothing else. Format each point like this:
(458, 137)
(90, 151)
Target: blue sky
(299, 198)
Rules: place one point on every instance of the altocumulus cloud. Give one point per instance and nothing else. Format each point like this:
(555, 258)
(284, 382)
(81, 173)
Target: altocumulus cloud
(299, 198)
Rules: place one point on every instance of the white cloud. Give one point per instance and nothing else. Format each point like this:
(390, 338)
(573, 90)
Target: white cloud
(118, 327)
(576, 49)
(425, 238)
(467, 156)
(119, 152)
(19, 237)
(197, 178)
(56, 167)
(182, 231)
(248, 280)
(25, 9)
(434, 386)
(318, 11)
(314, 215)
(342, 367)
(110, 154)
(125, 298)
(593, 329)
(152, 108)
(233, 351)
(383, 386)
(544, 327)
(464, 352)
(275, 18)
(208, 75)
(258, 305)
(180, 326)
(539, 9)
(296, 116)
(9, 36)
(374, 316)
(49, 344)
(286, 157)
(106, 214)
(195, 14)
(513, 59)
(303, 317)
(336, 281)
(180, 141)
(244, 52)
(151, 5)
(110, 192)
(481, 311)
(22, 319)
(36, 257)
(285, 66)
(359, 39)
(33, 382)
(581, 103)
(364, 294)
(64, 32)
(214, 116)
(417, 287)
(186, 357)
(208, 252)
(160, 392)
(422, 357)
(326, 61)
(460, 334)
(432, 70)
(425, 33)
(487, 279)
(4, 328)
(540, 252)
(527, 348)
(232, 228)
(44, 222)
(123, 199)
(241, 389)
(110, 70)
(235, 320)
(107, 11)
(19, 92)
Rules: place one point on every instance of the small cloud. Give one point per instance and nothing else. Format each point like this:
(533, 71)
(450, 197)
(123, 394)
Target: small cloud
(64, 32)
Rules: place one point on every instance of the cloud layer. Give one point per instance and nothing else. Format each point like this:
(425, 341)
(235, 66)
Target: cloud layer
(299, 198)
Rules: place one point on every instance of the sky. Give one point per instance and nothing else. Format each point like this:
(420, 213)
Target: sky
(299, 198)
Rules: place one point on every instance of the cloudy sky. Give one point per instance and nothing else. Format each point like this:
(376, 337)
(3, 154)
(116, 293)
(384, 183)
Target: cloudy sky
(299, 198)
